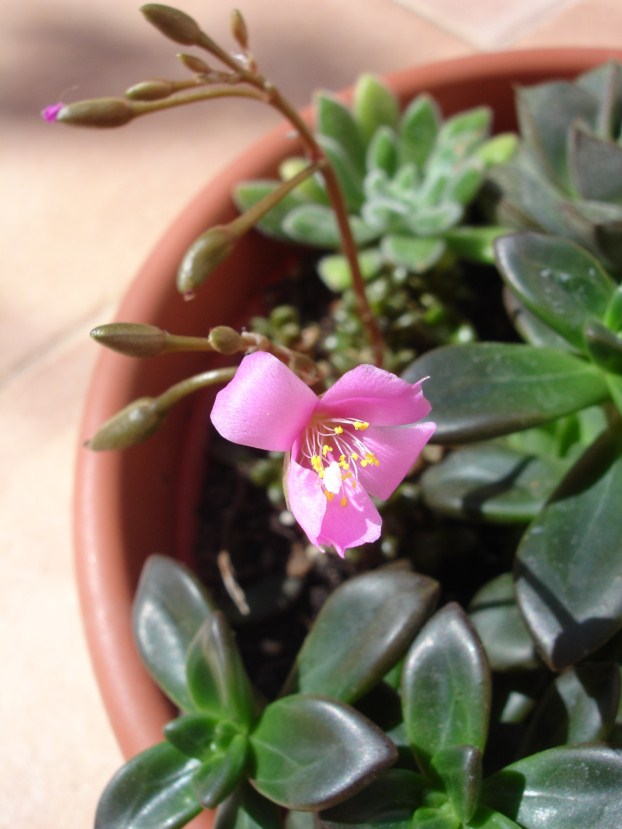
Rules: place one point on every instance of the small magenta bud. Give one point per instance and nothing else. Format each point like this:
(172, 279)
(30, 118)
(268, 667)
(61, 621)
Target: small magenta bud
(132, 425)
(50, 113)
(173, 23)
(150, 90)
(132, 339)
(203, 256)
(194, 64)
(97, 112)
(225, 340)
(239, 28)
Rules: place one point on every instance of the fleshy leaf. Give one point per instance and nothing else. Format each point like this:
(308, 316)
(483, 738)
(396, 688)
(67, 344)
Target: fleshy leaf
(345, 169)
(216, 778)
(483, 390)
(362, 630)
(500, 627)
(191, 734)
(170, 607)
(248, 193)
(375, 106)
(569, 560)
(486, 818)
(596, 167)
(152, 789)
(563, 788)
(445, 687)
(315, 224)
(246, 809)
(558, 281)
(335, 270)
(418, 130)
(312, 752)
(460, 769)
(334, 120)
(417, 255)
(382, 151)
(388, 802)
(216, 676)
(603, 346)
(475, 244)
(580, 706)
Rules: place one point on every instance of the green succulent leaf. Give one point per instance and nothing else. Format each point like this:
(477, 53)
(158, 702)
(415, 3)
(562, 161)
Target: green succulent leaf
(435, 219)
(445, 687)
(246, 809)
(461, 134)
(152, 789)
(192, 734)
(382, 152)
(558, 281)
(486, 818)
(476, 244)
(465, 183)
(349, 177)
(483, 390)
(431, 817)
(315, 224)
(500, 627)
(595, 167)
(605, 83)
(580, 706)
(460, 770)
(312, 752)
(362, 630)
(569, 560)
(334, 270)
(416, 255)
(217, 777)
(170, 607)
(492, 481)
(374, 106)
(387, 802)
(248, 193)
(563, 788)
(603, 346)
(335, 121)
(418, 130)
(217, 680)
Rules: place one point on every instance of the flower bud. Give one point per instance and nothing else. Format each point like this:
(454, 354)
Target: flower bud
(239, 28)
(50, 113)
(202, 257)
(225, 340)
(132, 425)
(132, 339)
(194, 64)
(97, 112)
(173, 23)
(150, 90)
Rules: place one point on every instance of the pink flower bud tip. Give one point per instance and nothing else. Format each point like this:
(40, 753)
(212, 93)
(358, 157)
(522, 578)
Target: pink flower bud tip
(50, 113)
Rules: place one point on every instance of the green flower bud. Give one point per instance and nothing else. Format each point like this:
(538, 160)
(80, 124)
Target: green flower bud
(225, 340)
(132, 425)
(133, 339)
(239, 28)
(150, 90)
(202, 257)
(174, 24)
(194, 64)
(97, 112)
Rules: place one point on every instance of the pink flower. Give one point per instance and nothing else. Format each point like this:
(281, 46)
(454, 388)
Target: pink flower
(359, 439)
(50, 113)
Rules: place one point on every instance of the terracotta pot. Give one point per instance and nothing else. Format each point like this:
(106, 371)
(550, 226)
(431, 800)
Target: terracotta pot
(127, 504)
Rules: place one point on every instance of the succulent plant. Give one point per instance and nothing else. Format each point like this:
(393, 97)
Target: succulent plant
(407, 179)
(566, 177)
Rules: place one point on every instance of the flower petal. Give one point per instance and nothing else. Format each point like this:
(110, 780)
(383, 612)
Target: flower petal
(265, 405)
(328, 523)
(377, 396)
(396, 448)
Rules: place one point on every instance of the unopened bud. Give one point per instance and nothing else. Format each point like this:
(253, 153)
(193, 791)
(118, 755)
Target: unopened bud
(239, 28)
(203, 256)
(132, 425)
(173, 23)
(225, 340)
(150, 90)
(133, 339)
(97, 112)
(194, 64)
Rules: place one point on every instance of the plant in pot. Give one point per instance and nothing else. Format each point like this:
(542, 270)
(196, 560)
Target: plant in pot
(461, 668)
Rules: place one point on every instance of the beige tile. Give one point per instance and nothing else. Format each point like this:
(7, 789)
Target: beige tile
(487, 24)
(591, 23)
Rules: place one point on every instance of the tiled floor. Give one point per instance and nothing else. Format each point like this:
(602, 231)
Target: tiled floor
(82, 210)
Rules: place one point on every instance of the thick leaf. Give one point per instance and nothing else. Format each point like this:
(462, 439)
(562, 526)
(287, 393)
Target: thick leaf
(248, 193)
(334, 120)
(555, 279)
(216, 677)
(445, 687)
(216, 778)
(460, 769)
(388, 802)
(301, 820)
(312, 752)
(430, 221)
(563, 788)
(416, 255)
(350, 179)
(192, 734)
(605, 83)
(603, 346)
(335, 270)
(500, 627)
(431, 817)
(492, 481)
(246, 809)
(418, 130)
(483, 390)
(595, 167)
(475, 244)
(486, 818)
(569, 562)
(315, 224)
(375, 106)
(152, 789)
(169, 608)
(362, 630)
(580, 706)
(382, 151)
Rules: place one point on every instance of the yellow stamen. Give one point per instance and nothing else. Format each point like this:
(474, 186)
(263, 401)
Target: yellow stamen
(360, 425)
(343, 501)
(326, 449)
(338, 430)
